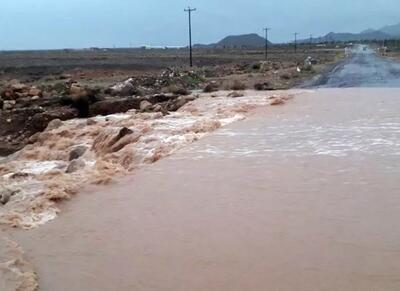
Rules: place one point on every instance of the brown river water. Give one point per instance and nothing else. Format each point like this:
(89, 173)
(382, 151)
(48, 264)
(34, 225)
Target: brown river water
(300, 197)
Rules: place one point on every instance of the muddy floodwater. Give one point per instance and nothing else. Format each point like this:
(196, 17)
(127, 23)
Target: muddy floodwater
(298, 197)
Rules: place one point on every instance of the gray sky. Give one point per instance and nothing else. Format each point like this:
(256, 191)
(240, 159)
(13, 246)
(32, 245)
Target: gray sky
(40, 24)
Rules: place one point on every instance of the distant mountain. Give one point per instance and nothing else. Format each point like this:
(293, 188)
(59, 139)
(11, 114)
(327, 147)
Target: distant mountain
(392, 30)
(252, 40)
(369, 30)
(365, 35)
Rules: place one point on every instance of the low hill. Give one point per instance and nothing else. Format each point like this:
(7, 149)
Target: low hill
(252, 40)
(368, 35)
(392, 30)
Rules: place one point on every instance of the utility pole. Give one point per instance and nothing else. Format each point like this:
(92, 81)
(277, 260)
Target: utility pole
(311, 41)
(295, 41)
(266, 42)
(189, 11)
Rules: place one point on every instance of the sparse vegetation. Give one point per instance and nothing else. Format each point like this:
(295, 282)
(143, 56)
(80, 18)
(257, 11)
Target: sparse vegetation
(177, 90)
(286, 76)
(210, 87)
(238, 85)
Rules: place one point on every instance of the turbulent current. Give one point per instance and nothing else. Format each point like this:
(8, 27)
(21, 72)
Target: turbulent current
(71, 154)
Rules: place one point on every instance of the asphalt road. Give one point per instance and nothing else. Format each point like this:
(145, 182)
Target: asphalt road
(363, 68)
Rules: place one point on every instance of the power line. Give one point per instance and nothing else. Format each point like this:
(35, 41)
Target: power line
(266, 42)
(189, 11)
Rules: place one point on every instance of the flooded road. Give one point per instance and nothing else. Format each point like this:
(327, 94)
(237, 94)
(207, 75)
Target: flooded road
(298, 197)
(363, 68)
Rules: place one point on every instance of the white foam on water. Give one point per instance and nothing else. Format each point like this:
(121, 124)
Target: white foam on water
(38, 172)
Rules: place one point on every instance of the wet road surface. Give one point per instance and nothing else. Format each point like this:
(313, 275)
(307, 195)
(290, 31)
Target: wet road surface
(300, 197)
(363, 68)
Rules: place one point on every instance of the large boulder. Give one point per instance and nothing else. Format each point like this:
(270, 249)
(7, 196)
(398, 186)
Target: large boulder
(40, 121)
(125, 88)
(75, 166)
(110, 141)
(145, 106)
(77, 152)
(113, 106)
(6, 194)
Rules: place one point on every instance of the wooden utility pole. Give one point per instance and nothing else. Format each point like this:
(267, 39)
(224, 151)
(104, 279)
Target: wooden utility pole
(295, 41)
(266, 42)
(189, 11)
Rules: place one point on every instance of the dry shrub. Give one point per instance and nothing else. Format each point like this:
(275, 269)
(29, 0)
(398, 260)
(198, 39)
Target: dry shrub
(211, 87)
(262, 86)
(177, 90)
(237, 85)
(286, 76)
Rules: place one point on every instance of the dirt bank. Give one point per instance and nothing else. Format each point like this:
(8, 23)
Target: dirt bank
(37, 87)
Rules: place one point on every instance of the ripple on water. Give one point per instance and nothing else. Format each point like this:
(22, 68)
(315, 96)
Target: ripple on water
(302, 139)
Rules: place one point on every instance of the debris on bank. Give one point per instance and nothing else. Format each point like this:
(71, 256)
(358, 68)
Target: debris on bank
(26, 110)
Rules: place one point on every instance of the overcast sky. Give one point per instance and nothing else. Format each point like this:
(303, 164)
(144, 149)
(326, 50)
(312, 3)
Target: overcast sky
(40, 24)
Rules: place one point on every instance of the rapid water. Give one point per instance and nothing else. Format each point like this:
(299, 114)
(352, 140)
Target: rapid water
(299, 197)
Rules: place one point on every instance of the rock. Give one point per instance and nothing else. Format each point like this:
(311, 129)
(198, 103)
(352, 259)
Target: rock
(235, 94)
(77, 91)
(9, 104)
(54, 124)
(157, 108)
(112, 106)
(6, 194)
(77, 152)
(1, 103)
(18, 87)
(109, 141)
(41, 120)
(35, 98)
(177, 90)
(145, 105)
(277, 101)
(90, 122)
(263, 86)
(174, 105)
(211, 87)
(34, 92)
(159, 98)
(81, 103)
(75, 166)
(125, 88)
(5, 197)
